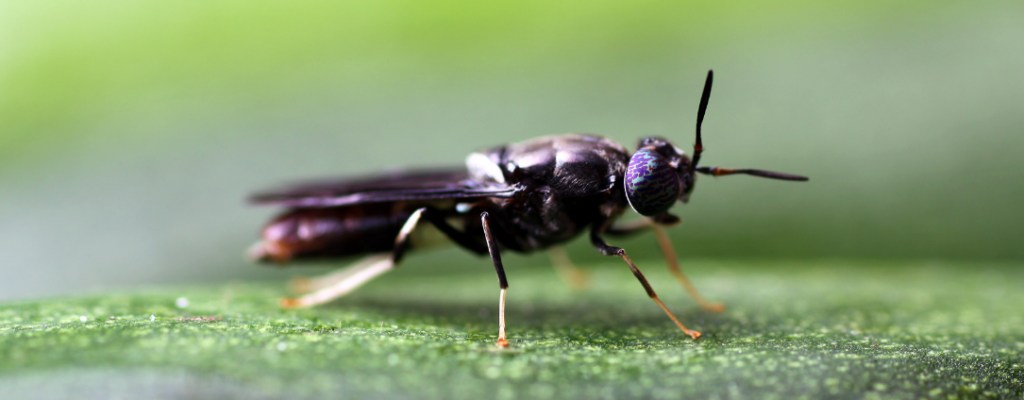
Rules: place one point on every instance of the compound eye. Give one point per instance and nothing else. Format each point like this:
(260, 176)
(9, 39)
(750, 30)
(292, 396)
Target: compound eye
(652, 186)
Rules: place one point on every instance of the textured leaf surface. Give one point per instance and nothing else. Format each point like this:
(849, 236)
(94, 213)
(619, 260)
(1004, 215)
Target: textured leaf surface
(844, 330)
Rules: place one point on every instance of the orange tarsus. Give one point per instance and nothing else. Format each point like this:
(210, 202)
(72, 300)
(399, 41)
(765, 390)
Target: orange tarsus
(654, 296)
(673, 267)
(288, 302)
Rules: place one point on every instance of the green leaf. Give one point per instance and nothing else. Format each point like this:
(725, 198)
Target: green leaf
(835, 329)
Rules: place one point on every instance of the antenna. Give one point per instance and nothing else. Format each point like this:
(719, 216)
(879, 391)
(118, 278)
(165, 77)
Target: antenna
(698, 147)
(747, 171)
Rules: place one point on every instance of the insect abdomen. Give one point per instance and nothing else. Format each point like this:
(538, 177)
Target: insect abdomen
(330, 232)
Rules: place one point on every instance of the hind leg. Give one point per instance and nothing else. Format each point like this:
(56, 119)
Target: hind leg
(332, 286)
(352, 278)
(303, 285)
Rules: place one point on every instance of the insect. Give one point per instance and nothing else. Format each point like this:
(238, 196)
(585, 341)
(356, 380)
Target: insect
(522, 197)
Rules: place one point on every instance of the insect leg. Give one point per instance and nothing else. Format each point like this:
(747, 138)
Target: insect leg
(673, 267)
(492, 246)
(363, 275)
(599, 243)
(639, 225)
(666, 250)
(461, 238)
(629, 228)
(301, 285)
(577, 278)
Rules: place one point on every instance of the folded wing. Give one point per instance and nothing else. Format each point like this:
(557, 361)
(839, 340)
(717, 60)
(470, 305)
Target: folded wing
(393, 186)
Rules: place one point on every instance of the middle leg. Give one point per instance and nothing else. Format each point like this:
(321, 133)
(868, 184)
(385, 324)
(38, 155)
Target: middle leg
(492, 247)
(577, 278)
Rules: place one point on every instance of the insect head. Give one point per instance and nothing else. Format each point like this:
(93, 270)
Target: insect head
(659, 173)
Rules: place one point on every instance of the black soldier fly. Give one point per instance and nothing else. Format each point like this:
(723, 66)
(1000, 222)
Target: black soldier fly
(523, 197)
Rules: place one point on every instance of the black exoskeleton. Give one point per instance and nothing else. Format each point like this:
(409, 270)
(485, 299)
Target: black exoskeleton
(523, 197)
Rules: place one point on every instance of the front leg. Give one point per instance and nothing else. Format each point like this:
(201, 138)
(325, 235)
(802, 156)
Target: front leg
(604, 248)
(636, 226)
(657, 225)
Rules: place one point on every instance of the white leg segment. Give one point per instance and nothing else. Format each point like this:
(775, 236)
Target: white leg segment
(350, 283)
(410, 224)
(309, 285)
(352, 278)
(502, 342)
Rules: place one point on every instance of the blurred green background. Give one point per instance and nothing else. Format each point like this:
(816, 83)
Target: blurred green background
(131, 131)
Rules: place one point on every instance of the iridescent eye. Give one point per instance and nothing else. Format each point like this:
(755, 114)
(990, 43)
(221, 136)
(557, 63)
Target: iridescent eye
(652, 186)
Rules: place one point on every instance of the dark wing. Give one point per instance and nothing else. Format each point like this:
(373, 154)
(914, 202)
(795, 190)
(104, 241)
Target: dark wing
(395, 186)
